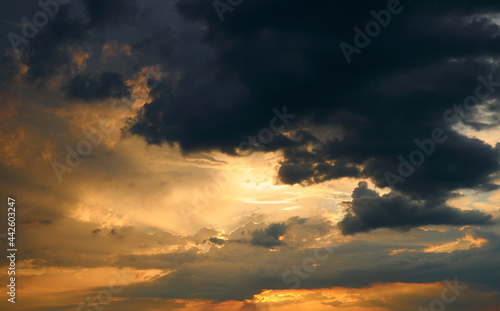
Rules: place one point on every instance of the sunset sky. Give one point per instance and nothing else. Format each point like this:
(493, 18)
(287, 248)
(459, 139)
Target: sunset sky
(251, 154)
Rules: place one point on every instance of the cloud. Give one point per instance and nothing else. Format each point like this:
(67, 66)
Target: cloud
(87, 87)
(374, 107)
(369, 211)
(217, 241)
(9, 70)
(245, 269)
(48, 53)
(270, 236)
(203, 234)
(226, 79)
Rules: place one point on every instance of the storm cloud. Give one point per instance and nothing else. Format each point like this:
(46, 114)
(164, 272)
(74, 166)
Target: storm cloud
(108, 84)
(390, 95)
(368, 211)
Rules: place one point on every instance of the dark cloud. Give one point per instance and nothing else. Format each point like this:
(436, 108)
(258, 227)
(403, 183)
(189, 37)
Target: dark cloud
(87, 87)
(48, 53)
(9, 68)
(368, 211)
(162, 261)
(234, 73)
(390, 95)
(116, 233)
(217, 241)
(282, 234)
(355, 264)
(270, 236)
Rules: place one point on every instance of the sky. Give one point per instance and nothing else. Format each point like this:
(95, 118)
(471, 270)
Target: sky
(251, 155)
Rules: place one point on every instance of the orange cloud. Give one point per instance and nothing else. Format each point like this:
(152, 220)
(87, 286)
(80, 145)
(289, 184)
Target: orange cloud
(80, 58)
